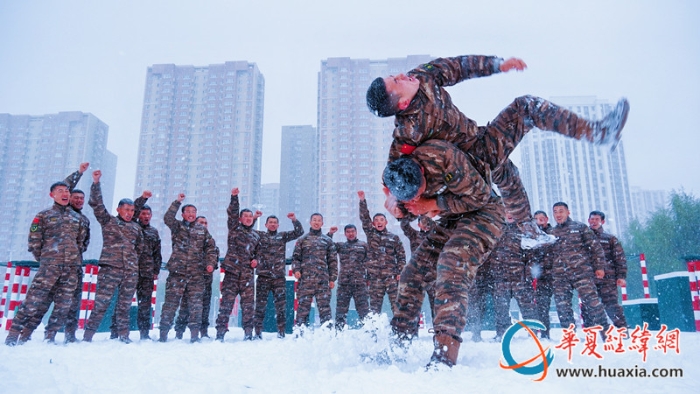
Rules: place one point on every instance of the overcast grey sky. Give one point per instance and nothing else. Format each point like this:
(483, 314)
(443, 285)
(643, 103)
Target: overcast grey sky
(92, 56)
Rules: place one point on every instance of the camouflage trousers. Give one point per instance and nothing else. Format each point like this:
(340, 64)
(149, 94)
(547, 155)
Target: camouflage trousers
(523, 293)
(109, 280)
(144, 294)
(278, 287)
(58, 280)
(183, 315)
(179, 287)
(607, 291)
(543, 301)
(563, 293)
(380, 285)
(237, 282)
(480, 289)
(307, 289)
(71, 321)
(500, 137)
(450, 255)
(356, 290)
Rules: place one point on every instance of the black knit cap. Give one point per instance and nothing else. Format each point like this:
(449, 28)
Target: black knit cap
(403, 177)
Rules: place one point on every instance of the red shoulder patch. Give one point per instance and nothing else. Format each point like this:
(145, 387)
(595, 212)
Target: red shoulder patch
(407, 149)
(36, 220)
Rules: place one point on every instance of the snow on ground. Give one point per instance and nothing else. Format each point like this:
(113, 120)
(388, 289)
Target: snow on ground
(322, 361)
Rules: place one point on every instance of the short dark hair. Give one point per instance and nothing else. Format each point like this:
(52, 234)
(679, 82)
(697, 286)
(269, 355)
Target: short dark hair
(125, 201)
(378, 214)
(272, 217)
(146, 208)
(246, 210)
(403, 177)
(77, 191)
(597, 213)
(57, 184)
(349, 226)
(199, 217)
(315, 214)
(561, 204)
(187, 206)
(540, 213)
(379, 101)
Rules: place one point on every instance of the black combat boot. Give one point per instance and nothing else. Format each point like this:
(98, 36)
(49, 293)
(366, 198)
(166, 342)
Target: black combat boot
(12, 338)
(87, 336)
(50, 336)
(446, 351)
(606, 132)
(144, 335)
(178, 334)
(69, 337)
(220, 335)
(163, 336)
(113, 334)
(194, 335)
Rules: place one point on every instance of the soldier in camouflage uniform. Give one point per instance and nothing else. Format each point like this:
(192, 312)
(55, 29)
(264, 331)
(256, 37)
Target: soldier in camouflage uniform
(315, 266)
(271, 271)
(56, 239)
(575, 256)
(415, 237)
(194, 253)
(238, 265)
(183, 315)
(438, 178)
(122, 244)
(511, 278)
(386, 259)
(481, 287)
(77, 200)
(615, 271)
(424, 110)
(541, 269)
(352, 276)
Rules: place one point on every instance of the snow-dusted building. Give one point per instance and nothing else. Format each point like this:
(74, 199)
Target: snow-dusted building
(555, 168)
(298, 174)
(201, 134)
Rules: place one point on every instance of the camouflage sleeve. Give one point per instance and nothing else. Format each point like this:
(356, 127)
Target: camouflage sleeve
(83, 237)
(36, 236)
(138, 206)
(332, 259)
(140, 242)
(452, 70)
(619, 259)
(86, 241)
(400, 254)
(210, 250)
(591, 243)
(365, 218)
(72, 180)
(297, 256)
(101, 213)
(169, 217)
(233, 212)
(157, 257)
(294, 234)
(408, 231)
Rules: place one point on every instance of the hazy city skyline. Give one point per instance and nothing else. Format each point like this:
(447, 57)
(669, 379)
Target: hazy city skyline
(80, 56)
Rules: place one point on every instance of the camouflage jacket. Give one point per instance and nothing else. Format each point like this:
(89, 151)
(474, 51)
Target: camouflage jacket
(150, 260)
(352, 256)
(72, 180)
(243, 242)
(193, 247)
(315, 257)
(387, 257)
(415, 237)
(122, 241)
(507, 258)
(272, 250)
(57, 236)
(576, 253)
(616, 262)
(431, 114)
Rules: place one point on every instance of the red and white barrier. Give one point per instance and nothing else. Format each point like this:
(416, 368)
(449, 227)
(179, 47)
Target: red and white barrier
(623, 290)
(94, 270)
(153, 302)
(20, 283)
(5, 291)
(84, 296)
(694, 279)
(645, 278)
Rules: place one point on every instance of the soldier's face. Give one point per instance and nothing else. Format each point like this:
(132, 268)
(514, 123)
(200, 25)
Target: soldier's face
(60, 195)
(595, 222)
(561, 214)
(272, 224)
(509, 218)
(203, 222)
(77, 200)
(189, 214)
(126, 212)
(379, 222)
(145, 216)
(247, 218)
(351, 234)
(316, 222)
(402, 87)
(541, 220)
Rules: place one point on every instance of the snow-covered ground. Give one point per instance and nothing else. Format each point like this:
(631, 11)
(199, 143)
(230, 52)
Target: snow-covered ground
(323, 361)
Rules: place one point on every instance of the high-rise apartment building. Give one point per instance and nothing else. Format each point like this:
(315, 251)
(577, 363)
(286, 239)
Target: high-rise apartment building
(353, 143)
(35, 152)
(298, 174)
(586, 177)
(201, 135)
(646, 202)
